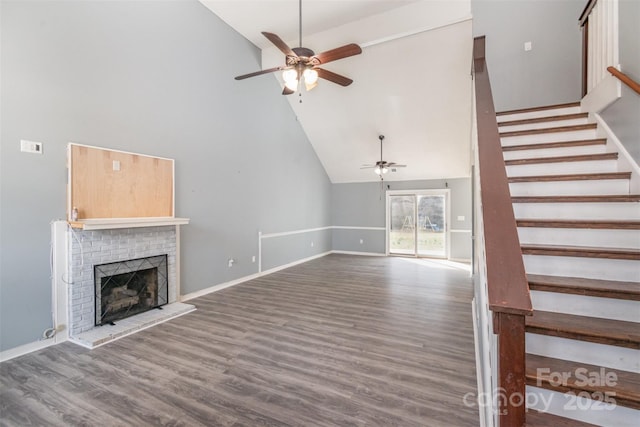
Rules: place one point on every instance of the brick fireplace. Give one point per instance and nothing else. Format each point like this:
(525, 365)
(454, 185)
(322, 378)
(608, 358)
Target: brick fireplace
(89, 249)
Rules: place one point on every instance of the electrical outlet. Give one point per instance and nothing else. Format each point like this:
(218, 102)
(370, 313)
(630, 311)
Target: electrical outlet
(361, 241)
(231, 261)
(460, 217)
(253, 258)
(312, 243)
(30, 146)
(116, 165)
(527, 46)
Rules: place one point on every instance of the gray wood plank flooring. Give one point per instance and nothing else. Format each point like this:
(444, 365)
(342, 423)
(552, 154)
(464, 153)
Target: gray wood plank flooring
(338, 341)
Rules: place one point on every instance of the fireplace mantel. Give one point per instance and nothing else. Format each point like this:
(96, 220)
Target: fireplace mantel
(113, 223)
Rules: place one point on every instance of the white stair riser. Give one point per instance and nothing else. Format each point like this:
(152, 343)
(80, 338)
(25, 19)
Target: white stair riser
(581, 305)
(553, 152)
(537, 114)
(611, 211)
(571, 188)
(559, 168)
(575, 135)
(606, 238)
(590, 268)
(610, 356)
(582, 409)
(542, 125)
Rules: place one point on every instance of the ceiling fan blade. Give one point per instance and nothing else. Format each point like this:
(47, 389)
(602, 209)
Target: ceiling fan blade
(368, 167)
(258, 73)
(338, 53)
(273, 38)
(287, 91)
(333, 77)
(397, 166)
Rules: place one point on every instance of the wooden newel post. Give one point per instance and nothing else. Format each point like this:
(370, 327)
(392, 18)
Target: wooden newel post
(511, 397)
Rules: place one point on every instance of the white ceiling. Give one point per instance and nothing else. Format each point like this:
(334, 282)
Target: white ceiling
(411, 82)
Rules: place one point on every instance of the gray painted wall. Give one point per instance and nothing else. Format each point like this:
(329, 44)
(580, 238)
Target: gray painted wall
(623, 115)
(155, 78)
(282, 250)
(360, 205)
(548, 74)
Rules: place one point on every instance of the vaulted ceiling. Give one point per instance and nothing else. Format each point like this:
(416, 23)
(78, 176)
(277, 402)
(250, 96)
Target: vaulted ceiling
(411, 83)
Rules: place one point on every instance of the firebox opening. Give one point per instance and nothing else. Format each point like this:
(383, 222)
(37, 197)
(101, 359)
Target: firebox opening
(130, 287)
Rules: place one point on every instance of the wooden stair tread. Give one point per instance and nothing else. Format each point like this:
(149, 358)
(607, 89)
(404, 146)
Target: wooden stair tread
(561, 159)
(621, 386)
(570, 128)
(540, 108)
(559, 144)
(544, 419)
(583, 328)
(571, 177)
(581, 286)
(577, 199)
(573, 223)
(544, 119)
(581, 251)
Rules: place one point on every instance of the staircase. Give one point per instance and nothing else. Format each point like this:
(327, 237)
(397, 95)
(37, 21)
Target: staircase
(579, 230)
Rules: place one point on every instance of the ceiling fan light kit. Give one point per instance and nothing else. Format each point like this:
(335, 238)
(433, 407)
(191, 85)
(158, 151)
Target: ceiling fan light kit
(303, 64)
(380, 170)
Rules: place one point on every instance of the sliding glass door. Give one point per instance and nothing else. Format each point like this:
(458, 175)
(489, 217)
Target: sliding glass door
(401, 230)
(417, 223)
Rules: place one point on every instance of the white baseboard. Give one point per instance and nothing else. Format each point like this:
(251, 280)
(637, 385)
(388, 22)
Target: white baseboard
(218, 287)
(626, 162)
(26, 348)
(221, 286)
(358, 253)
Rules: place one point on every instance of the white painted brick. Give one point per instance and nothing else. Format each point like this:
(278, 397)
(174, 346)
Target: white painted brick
(88, 308)
(119, 253)
(88, 248)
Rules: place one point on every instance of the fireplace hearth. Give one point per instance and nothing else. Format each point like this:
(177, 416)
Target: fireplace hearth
(127, 288)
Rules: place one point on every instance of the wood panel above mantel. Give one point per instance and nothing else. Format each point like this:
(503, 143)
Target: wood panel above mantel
(106, 183)
(111, 189)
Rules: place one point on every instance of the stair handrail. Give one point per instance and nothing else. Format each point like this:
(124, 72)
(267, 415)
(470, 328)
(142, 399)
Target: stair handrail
(584, 16)
(507, 287)
(635, 86)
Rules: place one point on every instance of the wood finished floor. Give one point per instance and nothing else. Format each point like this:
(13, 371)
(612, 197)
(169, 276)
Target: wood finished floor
(338, 341)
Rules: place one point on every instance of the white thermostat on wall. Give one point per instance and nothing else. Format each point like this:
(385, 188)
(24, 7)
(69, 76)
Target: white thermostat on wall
(30, 146)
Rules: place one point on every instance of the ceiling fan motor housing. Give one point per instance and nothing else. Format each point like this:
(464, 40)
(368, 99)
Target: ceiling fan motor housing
(303, 52)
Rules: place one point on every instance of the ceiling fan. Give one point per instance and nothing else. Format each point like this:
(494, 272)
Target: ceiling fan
(304, 63)
(381, 167)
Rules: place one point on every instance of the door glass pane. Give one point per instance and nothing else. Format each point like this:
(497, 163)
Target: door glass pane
(432, 226)
(402, 225)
